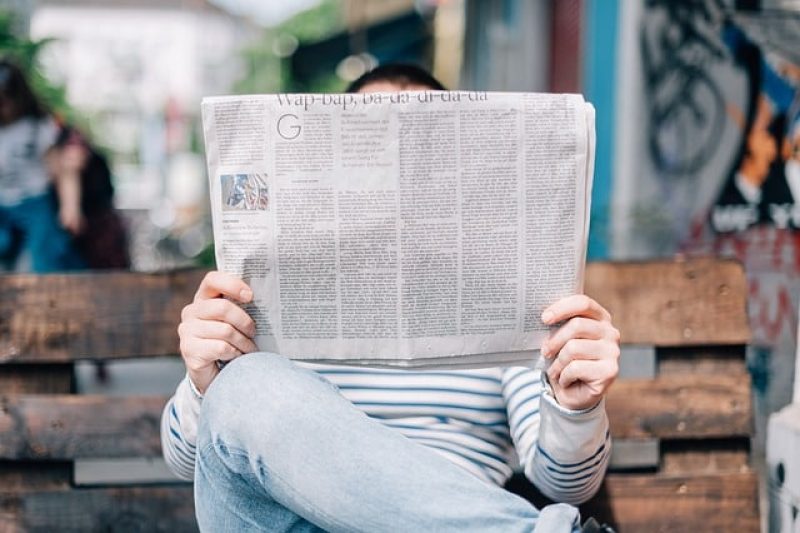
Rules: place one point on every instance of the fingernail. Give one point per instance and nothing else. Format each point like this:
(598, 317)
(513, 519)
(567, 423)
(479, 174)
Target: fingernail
(545, 350)
(246, 295)
(547, 316)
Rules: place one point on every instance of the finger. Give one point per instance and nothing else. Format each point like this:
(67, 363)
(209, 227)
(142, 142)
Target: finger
(215, 330)
(574, 349)
(223, 311)
(575, 305)
(597, 375)
(216, 284)
(199, 353)
(574, 328)
(578, 370)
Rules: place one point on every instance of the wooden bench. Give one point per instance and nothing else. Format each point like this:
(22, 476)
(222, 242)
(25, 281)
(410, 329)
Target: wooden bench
(681, 428)
(681, 411)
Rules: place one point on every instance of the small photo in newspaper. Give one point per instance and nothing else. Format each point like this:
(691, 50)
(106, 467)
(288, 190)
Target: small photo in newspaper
(245, 192)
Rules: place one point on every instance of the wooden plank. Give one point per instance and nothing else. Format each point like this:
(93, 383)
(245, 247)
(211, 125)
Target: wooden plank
(680, 406)
(23, 476)
(78, 426)
(673, 303)
(93, 426)
(648, 503)
(64, 317)
(60, 318)
(156, 509)
(35, 379)
(705, 456)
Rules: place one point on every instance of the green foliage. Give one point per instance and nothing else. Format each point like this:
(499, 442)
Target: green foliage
(264, 71)
(315, 24)
(329, 83)
(268, 73)
(207, 257)
(25, 53)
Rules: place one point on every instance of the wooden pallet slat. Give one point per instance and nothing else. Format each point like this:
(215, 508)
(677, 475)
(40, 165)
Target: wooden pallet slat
(156, 509)
(79, 426)
(71, 426)
(665, 303)
(645, 503)
(687, 406)
(64, 317)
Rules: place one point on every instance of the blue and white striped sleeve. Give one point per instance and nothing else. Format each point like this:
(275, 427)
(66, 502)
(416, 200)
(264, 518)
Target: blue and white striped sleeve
(179, 429)
(563, 452)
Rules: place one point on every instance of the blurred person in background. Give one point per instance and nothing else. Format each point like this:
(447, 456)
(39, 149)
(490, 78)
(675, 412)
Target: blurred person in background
(101, 236)
(28, 162)
(56, 196)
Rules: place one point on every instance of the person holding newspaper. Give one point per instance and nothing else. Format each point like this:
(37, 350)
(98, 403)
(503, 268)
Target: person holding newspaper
(278, 445)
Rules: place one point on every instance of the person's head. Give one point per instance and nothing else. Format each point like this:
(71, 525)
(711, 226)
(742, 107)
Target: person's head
(16, 97)
(393, 77)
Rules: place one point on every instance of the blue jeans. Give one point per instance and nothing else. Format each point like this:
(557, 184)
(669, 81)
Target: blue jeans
(279, 449)
(33, 226)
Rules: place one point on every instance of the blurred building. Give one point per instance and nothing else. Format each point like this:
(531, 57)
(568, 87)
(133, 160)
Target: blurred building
(137, 70)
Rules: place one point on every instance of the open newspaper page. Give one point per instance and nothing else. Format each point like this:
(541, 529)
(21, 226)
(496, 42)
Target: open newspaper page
(416, 229)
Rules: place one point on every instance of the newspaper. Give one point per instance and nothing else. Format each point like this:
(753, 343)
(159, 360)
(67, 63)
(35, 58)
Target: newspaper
(414, 229)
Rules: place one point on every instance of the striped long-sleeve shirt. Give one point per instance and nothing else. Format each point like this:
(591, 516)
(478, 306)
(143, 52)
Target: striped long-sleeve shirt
(486, 421)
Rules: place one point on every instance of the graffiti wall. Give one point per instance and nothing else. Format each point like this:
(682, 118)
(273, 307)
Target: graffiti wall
(717, 158)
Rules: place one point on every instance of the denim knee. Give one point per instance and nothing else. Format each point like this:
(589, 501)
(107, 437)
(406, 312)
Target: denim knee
(257, 395)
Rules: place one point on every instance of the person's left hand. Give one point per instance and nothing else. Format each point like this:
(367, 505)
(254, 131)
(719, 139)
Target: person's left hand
(584, 351)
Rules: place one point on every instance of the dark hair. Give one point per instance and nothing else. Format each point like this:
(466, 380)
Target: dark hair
(14, 87)
(401, 74)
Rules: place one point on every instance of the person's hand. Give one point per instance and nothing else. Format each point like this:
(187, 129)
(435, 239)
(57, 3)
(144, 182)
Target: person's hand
(73, 158)
(65, 165)
(584, 351)
(72, 219)
(214, 328)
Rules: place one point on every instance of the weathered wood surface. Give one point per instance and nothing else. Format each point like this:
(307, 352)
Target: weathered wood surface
(705, 457)
(78, 426)
(25, 476)
(633, 503)
(668, 303)
(60, 318)
(84, 426)
(681, 407)
(153, 509)
(700, 393)
(661, 503)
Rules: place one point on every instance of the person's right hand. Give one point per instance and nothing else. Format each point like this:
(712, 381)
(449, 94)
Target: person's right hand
(214, 328)
(72, 219)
